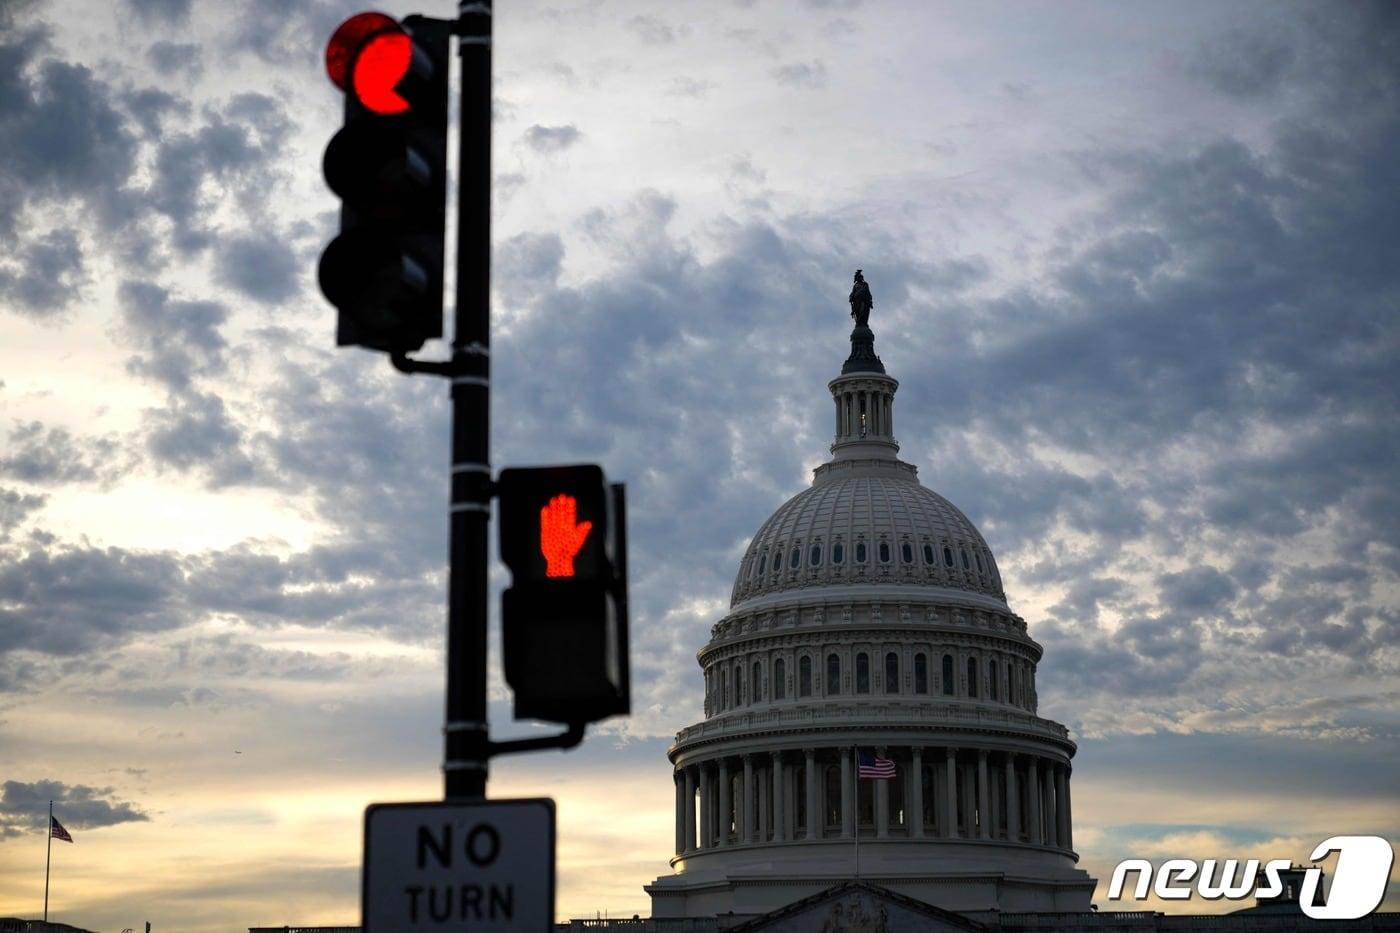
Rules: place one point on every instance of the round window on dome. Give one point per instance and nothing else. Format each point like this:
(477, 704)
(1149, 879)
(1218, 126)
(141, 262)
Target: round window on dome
(928, 553)
(860, 552)
(838, 553)
(884, 552)
(906, 551)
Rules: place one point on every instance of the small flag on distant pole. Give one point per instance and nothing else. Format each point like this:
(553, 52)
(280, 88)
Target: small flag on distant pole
(874, 767)
(57, 831)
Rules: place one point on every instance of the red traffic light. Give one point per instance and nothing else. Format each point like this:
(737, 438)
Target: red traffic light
(561, 535)
(369, 55)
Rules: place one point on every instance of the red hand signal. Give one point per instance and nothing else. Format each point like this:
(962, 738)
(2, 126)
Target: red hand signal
(561, 537)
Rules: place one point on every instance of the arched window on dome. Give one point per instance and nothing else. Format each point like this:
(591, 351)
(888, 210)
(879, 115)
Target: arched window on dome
(972, 677)
(906, 551)
(756, 685)
(833, 674)
(947, 675)
(763, 562)
(862, 673)
(884, 552)
(921, 673)
(891, 672)
(838, 553)
(723, 689)
(777, 559)
(779, 690)
(947, 556)
(978, 555)
(928, 553)
(738, 684)
(992, 679)
(966, 564)
(814, 558)
(795, 557)
(804, 676)
(860, 552)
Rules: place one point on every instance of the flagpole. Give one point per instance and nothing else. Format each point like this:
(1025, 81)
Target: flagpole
(48, 854)
(856, 753)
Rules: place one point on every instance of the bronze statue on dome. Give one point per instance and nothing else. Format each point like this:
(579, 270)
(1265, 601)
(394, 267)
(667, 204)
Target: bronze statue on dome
(861, 302)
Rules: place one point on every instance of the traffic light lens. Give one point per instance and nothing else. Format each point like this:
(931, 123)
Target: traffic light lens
(379, 68)
(348, 38)
(561, 535)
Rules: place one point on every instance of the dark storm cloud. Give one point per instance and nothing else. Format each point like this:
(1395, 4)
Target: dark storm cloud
(550, 139)
(194, 431)
(34, 454)
(233, 153)
(61, 137)
(1245, 64)
(45, 275)
(177, 340)
(170, 58)
(15, 506)
(164, 12)
(260, 266)
(24, 807)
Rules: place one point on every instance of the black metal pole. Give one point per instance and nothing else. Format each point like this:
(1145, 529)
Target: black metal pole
(466, 743)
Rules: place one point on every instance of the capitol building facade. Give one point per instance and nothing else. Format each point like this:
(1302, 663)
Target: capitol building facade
(868, 614)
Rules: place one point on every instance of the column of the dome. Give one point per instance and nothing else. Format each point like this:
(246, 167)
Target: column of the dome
(882, 803)
(689, 815)
(1069, 812)
(1061, 807)
(747, 833)
(950, 791)
(761, 794)
(916, 792)
(814, 822)
(679, 781)
(984, 829)
(1013, 802)
(706, 807)
(1052, 834)
(779, 821)
(724, 802)
(1033, 799)
(848, 815)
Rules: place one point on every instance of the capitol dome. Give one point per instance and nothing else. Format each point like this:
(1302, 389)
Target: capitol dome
(868, 624)
(868, 526)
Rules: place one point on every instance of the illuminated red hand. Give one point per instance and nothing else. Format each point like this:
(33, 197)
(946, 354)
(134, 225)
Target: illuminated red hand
(560, 537)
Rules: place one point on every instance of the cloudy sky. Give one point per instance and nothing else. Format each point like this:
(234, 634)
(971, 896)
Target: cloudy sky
(1137, 267)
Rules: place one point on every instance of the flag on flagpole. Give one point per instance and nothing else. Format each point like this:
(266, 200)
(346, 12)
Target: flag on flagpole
(874, 767)
(57, 831)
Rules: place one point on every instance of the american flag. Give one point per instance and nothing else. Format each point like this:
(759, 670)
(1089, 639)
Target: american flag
(57, 831)
(874, 767)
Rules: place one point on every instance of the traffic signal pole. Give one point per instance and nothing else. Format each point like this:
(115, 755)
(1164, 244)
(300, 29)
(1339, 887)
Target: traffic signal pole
(466, 741)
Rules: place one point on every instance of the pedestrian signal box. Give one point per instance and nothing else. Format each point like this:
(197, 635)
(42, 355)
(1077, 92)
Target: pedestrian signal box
(564, 616)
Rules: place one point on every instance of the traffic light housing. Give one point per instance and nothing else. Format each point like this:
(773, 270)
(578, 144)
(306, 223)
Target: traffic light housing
(388, 164)
(563, 535)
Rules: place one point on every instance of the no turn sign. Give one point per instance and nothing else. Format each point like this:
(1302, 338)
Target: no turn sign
(482, 866)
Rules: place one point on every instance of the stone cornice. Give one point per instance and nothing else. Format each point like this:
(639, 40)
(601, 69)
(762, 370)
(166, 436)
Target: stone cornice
(811, 637)
(901, 720)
